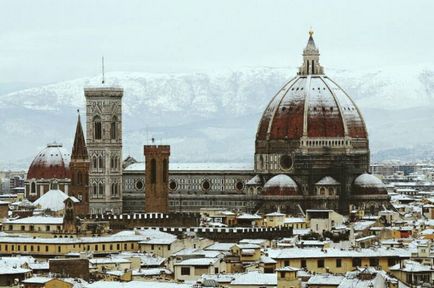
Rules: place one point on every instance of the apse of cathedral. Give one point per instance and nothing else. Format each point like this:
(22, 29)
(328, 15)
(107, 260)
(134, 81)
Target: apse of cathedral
(311, 152)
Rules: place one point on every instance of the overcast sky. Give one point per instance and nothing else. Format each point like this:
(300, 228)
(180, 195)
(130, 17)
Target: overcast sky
(49, 41)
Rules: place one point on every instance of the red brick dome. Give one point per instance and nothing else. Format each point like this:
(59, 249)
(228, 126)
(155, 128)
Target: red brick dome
(50, 163)
(311, 105)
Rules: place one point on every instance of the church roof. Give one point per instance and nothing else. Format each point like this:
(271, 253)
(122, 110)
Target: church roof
(52, 200)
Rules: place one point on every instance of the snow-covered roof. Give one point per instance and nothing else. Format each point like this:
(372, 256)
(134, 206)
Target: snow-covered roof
(368, 180)
(294, 220)
(220, 246)
(52, 200)
(256, 180)
(37, 280)
(412, 266)
(36, 220)
(327, 180)
(137, 284)
(248, 216)
(325, 279)
(362, 225)
(281, 181)
(197, 262)
(275, 214)
(108, 260)
(255, 278)
(295, 253)
(207, 166)
(5, 270)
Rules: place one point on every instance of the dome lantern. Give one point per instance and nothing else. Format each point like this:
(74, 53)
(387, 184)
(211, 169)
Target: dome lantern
(311, 54)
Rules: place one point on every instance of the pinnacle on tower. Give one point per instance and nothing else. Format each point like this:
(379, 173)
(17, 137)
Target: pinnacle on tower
(311, 54)
(79, 149)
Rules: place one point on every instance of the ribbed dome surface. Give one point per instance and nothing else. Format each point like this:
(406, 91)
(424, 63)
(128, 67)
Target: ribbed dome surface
(50, 163)
(312, 106)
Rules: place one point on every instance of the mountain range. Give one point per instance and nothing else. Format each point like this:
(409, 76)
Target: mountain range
(213, 116)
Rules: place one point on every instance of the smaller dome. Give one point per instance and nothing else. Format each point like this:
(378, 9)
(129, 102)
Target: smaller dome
(50, 163)
(327, 181)
(368, 184)
(280, 185)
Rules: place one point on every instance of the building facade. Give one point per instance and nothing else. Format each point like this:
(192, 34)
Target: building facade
(104, 144)
(311, 152)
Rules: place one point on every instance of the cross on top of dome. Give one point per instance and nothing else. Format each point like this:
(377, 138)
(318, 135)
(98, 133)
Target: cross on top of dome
(311, 64)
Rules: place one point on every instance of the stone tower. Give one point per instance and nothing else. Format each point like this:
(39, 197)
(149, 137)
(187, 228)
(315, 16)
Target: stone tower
(104, 142)
(79, 168)
(156, 178)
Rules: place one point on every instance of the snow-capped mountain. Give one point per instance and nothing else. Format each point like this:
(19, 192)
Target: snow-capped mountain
(212, 116)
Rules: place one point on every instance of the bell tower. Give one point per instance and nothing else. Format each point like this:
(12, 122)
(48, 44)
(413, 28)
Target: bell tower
(79, 168)
(104, 142)
(157, 178)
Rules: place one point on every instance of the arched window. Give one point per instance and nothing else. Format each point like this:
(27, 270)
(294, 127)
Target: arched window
(153, 171)
(33, 188)
(112, 162)
(95, 190)
(95, 163)
(101, 162)
(165, 170)
(113, 128)
(101, 189)
(97, 127)
(322, 191)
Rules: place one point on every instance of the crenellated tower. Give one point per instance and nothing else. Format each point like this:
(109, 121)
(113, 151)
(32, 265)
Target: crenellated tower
(157, 178)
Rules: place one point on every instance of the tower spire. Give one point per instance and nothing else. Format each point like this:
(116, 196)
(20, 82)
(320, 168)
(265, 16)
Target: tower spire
(79, 149)
(311, 64)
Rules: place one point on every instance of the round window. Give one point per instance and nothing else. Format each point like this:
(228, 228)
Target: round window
(172, 185)
(206, 185)
(139, 185)
(239, 185)
(285, 162)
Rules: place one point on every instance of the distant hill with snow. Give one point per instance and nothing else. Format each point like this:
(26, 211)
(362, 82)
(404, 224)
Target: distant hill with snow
(213, 116)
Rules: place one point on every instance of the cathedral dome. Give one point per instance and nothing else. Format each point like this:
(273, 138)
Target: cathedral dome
(50, 163)
(366, 184)
(280, 185)
(311, 105)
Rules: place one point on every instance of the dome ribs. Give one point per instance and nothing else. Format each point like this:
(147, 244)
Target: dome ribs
(288, 119)
(269, 113)
(50, 163)
(351, 114)
(324, 119)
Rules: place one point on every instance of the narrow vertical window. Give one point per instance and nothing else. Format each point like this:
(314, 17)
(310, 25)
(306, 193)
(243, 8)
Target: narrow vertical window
(313, 66)
(153, 171)
(97, 127)
(101, 162)
(101, 189)
(113, 128)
